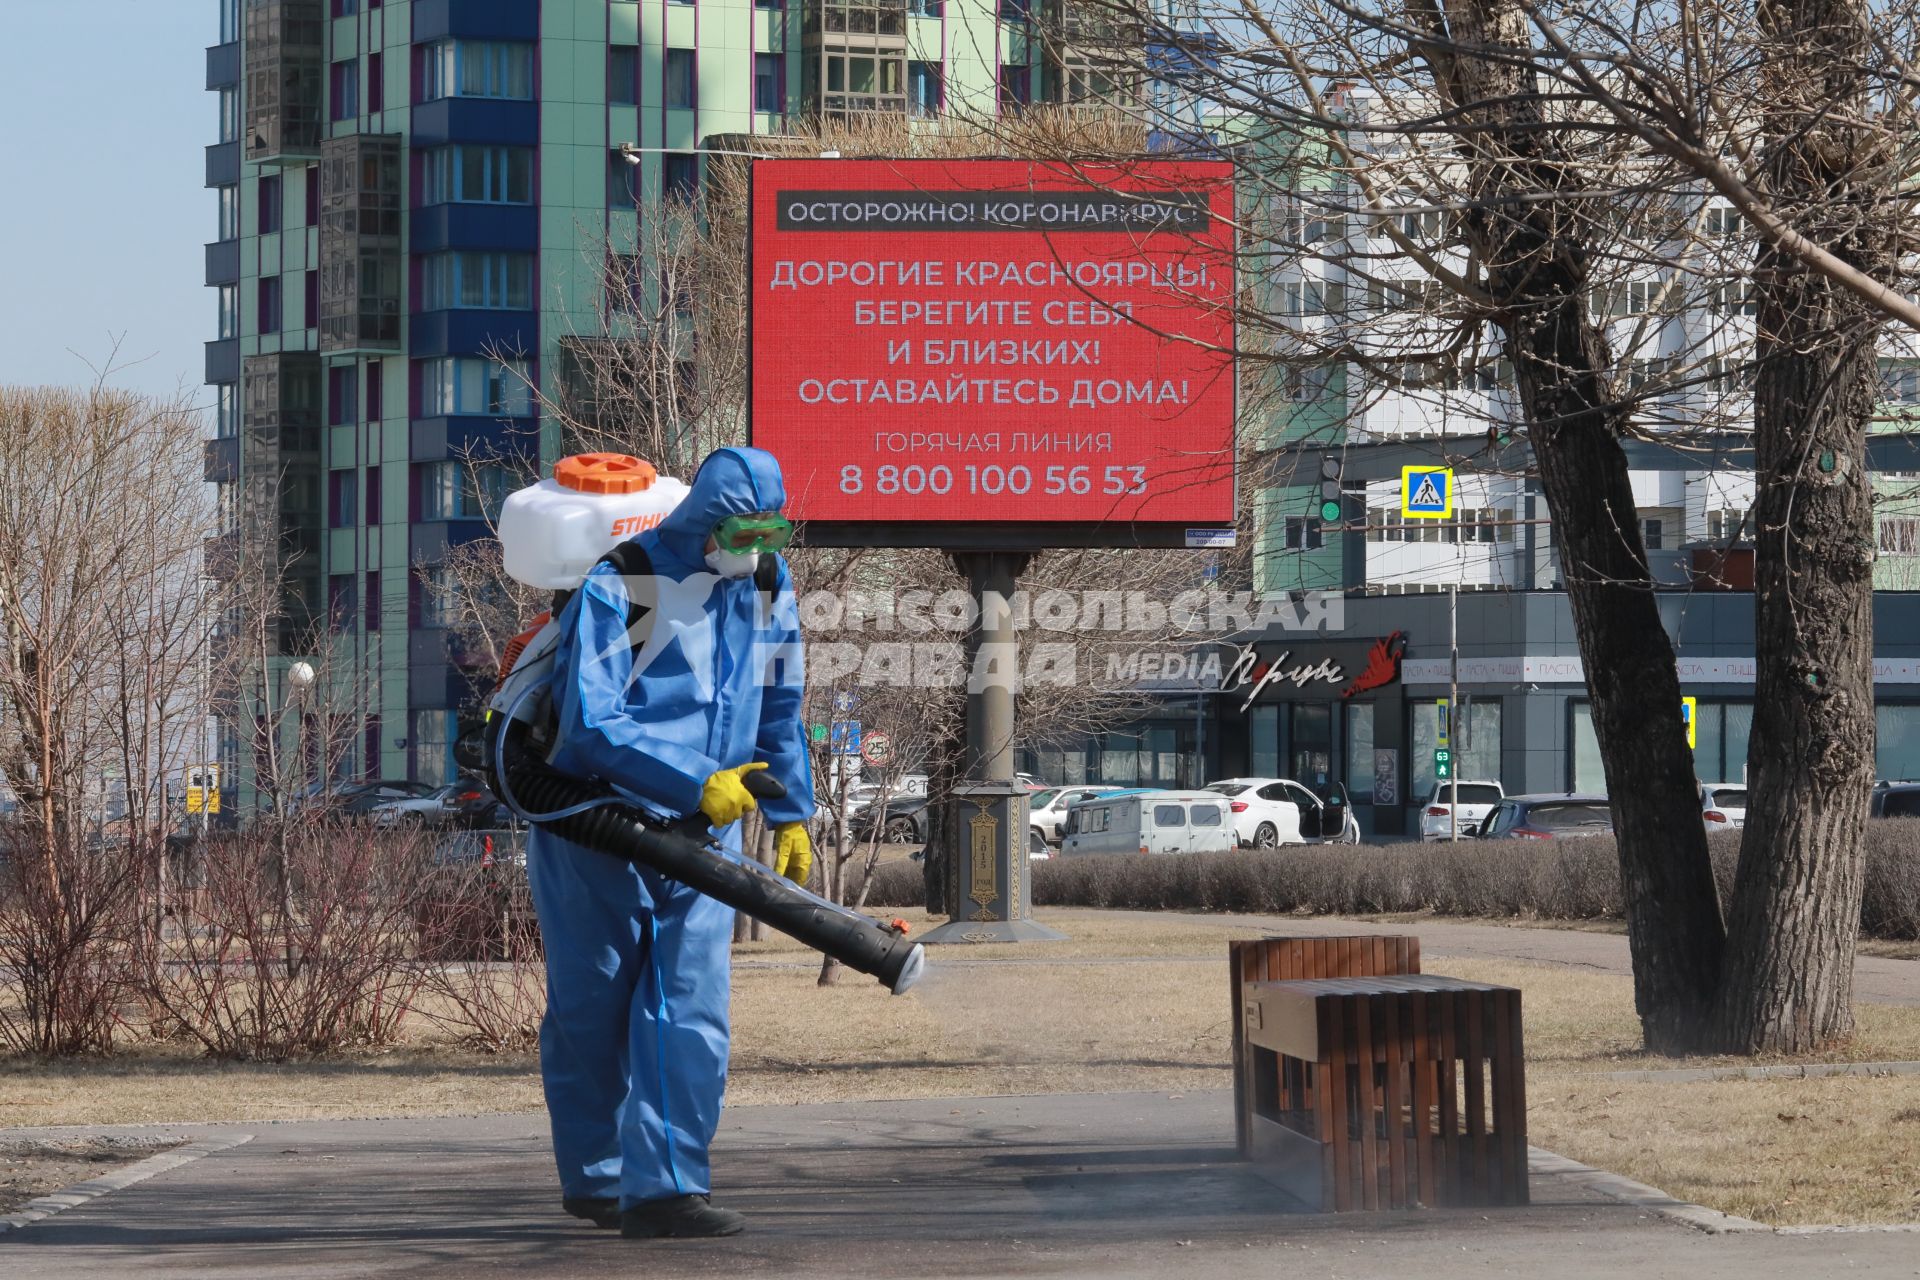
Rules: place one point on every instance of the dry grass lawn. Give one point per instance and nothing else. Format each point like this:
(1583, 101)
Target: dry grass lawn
(1121, 1005)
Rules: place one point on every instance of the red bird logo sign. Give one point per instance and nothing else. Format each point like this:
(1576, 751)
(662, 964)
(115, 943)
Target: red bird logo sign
(1383, 665)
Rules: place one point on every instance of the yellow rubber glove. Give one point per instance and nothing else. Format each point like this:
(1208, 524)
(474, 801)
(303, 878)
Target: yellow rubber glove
(793, 851)
(724, 796)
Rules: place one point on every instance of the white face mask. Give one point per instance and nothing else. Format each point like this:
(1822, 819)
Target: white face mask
(733, 564)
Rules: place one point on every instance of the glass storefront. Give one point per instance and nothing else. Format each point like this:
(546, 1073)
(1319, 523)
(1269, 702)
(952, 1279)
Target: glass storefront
(1360, 762)
(1719, 738)
(1152, 753)
(1476, 748)
(1896, 753)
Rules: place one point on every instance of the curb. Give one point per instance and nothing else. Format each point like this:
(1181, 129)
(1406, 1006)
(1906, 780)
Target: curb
(93, 1188)
(1639, 1194)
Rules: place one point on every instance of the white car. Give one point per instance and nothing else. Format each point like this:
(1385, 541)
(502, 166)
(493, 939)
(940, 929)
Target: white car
(1047, 810)
(1476, 802)
(1268, 812)
(1724, 803)
(863, 794)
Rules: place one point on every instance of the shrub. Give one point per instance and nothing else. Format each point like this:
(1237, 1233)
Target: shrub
(69, 936)
(1575, 879)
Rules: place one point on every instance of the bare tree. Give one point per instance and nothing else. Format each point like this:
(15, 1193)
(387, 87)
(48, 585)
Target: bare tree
(1671, 223)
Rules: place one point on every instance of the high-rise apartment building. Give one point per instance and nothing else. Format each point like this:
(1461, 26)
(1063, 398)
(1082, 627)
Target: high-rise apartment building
(406, 192)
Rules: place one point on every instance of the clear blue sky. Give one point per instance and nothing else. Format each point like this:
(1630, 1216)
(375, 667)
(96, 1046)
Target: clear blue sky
(102, 214)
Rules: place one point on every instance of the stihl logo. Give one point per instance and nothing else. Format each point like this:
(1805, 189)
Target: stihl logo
(627, 527)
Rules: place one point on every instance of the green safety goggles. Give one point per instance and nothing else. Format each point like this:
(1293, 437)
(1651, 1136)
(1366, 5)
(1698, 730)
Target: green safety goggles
(756, 531)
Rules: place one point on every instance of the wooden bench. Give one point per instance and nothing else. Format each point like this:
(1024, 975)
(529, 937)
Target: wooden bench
(1283, 959)
(1388, 1092)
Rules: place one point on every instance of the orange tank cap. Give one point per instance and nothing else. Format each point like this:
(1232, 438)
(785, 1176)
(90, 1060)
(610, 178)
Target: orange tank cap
(604, 473)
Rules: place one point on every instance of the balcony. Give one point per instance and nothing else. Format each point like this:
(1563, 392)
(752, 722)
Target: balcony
(220, 556)
(223, 262)
(223, 66)
(361, 268)
(222, 462)
(470, 435)
(474, 333)
(223, 164)
(223, 361)
(474, 226)
(475, 20)
(285, 80)
(446, 120)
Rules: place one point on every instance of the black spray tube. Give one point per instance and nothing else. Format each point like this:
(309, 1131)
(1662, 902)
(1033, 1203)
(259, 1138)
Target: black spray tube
(689, 855)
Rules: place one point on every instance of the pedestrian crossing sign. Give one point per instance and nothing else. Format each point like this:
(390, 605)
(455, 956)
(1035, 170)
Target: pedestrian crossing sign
(1426, 493)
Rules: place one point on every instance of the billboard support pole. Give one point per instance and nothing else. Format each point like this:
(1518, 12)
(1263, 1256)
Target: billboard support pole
(988, 813)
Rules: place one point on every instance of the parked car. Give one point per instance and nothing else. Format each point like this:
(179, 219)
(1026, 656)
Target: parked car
(863, 794)
(1047, 810)
(1548, 817)
(476, 906)
(1149, 821)
(468, 802)
(902, 820)
(1724, 803)
(395, 802)
(1476, 800)
(1269, 812)
(1896, 800)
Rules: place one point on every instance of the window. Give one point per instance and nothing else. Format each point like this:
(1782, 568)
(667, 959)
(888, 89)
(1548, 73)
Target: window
(471, 385)
(769, 4)
(343, 85)
(623, 283)
(1723, 222)
(229, 21)
(342, 499)
(226, 411)
(343, 394)
(373, 390)
(1727, 525)
(1015, 10)
(267, 204)
(1312, 297)
(345, 8)
(623, 75)
(681, 174)
(476, 174)
(229, 115)
(1309, 382)
(1733, 298)
(623, 183)
(229, 213)
(476, 281)
(1206, 815)
(267, 298)
(927, 8)
(1729, 375)
(1302, 533)
(372, 513)
(926, 87)
(680, 78)
(767, 69)
(1424, 224)
(476, 69)
(341, 605)
(457, 491)
(229, 301)
(1653, 534)
(1169, 815)
(313, 195)
(376, 81)
(1016, 87)
(1901, 384)
(372, 620)
(1899, 535)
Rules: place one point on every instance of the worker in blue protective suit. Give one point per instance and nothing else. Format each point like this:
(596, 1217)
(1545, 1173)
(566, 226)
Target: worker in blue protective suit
(672, 710)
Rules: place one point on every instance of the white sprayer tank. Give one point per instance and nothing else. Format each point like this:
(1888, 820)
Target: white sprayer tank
(552, 532)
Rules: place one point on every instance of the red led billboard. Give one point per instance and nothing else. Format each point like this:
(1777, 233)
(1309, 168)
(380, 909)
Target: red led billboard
(993, 343)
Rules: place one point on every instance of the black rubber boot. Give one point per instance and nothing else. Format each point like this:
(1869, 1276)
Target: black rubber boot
(680, 1216)
(601, 1211)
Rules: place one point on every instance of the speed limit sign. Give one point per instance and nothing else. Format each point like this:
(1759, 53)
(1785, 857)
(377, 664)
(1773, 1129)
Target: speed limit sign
(876, 748)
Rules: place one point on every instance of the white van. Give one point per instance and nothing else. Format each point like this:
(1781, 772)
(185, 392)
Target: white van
(1150, 822)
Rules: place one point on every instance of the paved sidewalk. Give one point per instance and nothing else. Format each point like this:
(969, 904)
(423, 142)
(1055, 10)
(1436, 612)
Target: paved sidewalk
(1096, 1185)
(1876, 980)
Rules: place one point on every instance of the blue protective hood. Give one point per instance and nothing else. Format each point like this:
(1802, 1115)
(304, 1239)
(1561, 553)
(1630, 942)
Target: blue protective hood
(731, 482)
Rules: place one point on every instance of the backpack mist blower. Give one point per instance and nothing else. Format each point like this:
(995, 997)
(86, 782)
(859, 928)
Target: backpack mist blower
(551, 534)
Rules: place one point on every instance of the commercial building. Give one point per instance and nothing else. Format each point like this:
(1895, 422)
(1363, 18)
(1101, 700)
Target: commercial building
(413, 199)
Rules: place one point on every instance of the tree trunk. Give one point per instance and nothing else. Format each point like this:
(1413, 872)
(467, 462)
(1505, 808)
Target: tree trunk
(1795, 914)
(1534, 257)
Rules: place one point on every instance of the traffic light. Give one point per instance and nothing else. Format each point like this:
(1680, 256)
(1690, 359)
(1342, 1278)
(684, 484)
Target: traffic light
(1330, 508)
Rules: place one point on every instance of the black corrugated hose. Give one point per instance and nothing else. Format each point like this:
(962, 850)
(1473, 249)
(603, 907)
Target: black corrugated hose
(622, 831)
